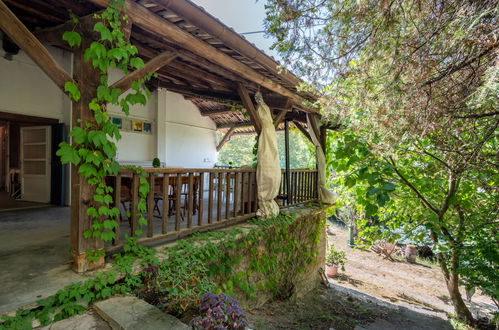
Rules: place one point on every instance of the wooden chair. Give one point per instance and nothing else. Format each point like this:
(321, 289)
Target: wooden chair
(385, 249)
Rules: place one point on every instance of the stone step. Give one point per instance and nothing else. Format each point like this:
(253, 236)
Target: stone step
(132, 313)
(88, 321)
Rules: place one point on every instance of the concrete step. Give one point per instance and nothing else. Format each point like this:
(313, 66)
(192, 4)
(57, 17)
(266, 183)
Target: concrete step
(88, 321)
(132, 313)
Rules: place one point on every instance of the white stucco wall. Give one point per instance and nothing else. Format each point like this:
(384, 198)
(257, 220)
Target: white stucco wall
(190, 137)
(25, 89)
(134, 147)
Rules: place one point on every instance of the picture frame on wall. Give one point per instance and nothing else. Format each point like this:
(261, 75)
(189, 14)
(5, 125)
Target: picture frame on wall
(118, 122)
(147, 128)
(126, 125)
(137, 126)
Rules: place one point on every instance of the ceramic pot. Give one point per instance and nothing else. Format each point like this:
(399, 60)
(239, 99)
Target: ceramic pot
(411, 253)
(331, 270)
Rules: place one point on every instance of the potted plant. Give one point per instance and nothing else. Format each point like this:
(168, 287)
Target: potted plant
(156, 163)
(334, 260)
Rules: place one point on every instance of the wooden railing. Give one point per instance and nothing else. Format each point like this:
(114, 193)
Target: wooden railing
(184, 201)
(302, 187)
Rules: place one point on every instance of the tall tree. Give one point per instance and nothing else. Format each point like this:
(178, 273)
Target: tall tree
(415, 85)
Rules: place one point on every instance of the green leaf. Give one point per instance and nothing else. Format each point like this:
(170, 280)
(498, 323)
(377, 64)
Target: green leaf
(78, 134)
(103, 93)
(73, 38)
(68, 154)
(71, 88)
(388, 186)
(136, 62)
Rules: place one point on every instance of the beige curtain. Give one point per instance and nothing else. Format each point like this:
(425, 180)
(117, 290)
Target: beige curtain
(325, 196)
(268, 171)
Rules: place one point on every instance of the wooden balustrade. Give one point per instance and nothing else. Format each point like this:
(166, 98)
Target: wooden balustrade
(184, 201)
(302, 188)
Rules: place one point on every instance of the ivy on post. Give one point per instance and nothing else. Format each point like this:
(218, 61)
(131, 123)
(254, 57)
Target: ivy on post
(92, 152)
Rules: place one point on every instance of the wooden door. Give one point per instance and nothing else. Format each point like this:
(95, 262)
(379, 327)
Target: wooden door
(35, 163)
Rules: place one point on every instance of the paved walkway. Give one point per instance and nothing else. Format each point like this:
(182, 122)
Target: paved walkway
(34, 255)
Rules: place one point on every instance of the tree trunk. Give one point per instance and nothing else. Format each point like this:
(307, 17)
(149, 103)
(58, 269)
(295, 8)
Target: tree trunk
(452, 280)
(460, 308)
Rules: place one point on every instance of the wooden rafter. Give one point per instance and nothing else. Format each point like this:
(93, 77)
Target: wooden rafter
(150, 67)
(226, 138)
(16, 30)
(217, 111)
(141, 16)
(184, 55)
(236, 125)
(250, 107)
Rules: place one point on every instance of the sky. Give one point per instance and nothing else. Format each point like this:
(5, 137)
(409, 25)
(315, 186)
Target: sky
(242, 16)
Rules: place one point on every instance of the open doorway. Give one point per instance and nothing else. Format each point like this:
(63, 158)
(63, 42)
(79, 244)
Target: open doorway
(30, 173)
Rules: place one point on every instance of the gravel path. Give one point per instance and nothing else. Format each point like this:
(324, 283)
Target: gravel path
(415, 287)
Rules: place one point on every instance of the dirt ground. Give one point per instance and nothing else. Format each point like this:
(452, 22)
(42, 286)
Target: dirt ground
(372, 293)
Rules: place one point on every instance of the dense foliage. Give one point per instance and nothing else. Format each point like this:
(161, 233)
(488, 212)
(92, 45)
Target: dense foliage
(239, 151)
(414, 85)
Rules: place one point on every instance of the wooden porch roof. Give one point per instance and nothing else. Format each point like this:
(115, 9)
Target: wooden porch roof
(208, 83)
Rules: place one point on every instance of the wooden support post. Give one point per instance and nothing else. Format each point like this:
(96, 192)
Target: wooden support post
(322, 137)
(226, 138)
(286, 158)
(190, 199)
(117, 204)
(201, 199)
(150, 206)
(16, 30)
(151, 66)
(166, 203)
(81, 192)
(250, 107)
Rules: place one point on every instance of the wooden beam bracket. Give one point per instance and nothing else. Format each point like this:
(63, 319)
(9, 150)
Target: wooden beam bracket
(151, 66)
(250, 107)
(226, 138)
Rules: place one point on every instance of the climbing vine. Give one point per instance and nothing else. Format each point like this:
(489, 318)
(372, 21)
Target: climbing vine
(93, 150)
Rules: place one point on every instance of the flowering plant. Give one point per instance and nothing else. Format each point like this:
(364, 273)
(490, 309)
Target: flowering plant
(219, 312)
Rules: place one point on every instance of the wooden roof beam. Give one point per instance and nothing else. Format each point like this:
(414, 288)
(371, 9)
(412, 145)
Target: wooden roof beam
(236, 125)
(141, 16)
(226, 138)
(16, 30)
(151, 66)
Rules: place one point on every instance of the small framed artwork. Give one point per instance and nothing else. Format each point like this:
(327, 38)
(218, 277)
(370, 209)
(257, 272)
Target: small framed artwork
(137, 126)
(126, 125)
(118, 122)
(147, 128)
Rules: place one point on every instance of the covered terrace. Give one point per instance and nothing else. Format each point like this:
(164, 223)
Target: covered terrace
(198, 57)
